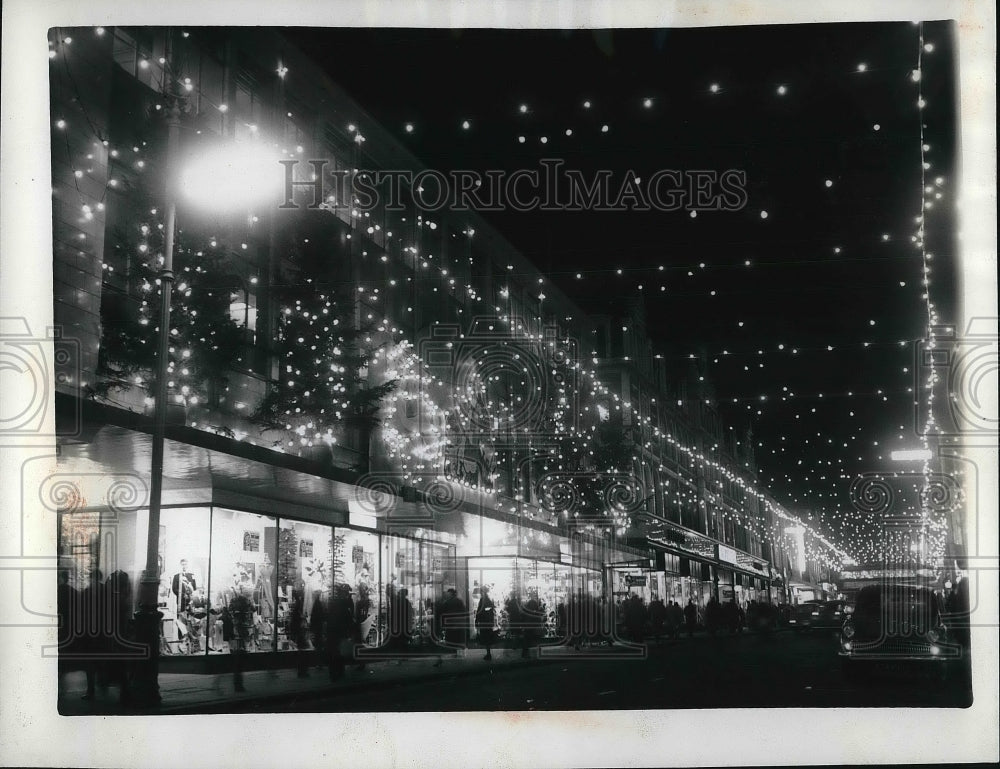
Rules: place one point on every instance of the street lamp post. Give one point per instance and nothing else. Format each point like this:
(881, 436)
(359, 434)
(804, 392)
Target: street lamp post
(147, 619)
(223, 178)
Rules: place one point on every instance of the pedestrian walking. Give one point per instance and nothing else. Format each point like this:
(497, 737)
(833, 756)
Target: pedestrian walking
(660, 620)
(731, 616)
(93, 639)
(451, 622)
(317, 624)
(486, 617)
(118, 641)
(401, 620)
(691, 617)
(713, 612)
(635, 617)
(512, 611)
(297, 630)
(561, 622)
(533, 619)
(677, 618)
(340, 631)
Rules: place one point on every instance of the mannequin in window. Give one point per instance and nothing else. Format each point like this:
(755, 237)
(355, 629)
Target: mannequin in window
(266, 590)
(183, 586)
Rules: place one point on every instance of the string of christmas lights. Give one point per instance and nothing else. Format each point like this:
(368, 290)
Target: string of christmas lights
(448, 283)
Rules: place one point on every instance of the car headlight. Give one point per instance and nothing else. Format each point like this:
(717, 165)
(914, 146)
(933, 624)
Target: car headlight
(815, 613)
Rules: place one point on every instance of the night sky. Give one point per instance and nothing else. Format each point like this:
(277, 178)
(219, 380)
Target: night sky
(833, 264)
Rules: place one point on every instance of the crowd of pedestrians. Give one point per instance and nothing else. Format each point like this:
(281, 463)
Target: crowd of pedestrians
(96, 631)
(95, 626)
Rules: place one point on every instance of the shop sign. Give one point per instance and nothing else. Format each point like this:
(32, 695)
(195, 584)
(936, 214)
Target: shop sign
(726, 554)
(357, 555)
(635, 580)
(887, 573)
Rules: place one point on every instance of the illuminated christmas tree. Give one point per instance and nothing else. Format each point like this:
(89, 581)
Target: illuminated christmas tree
(205, 342)
(322, 388)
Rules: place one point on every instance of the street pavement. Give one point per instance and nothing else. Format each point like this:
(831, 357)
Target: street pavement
(748, 670)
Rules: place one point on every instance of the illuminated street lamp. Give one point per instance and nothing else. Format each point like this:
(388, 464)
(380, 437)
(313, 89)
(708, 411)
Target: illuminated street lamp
(911, 455)
(221, 178)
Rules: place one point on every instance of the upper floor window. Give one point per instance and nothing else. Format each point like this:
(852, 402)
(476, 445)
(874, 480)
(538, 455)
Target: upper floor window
(133, 52)
(249, 106)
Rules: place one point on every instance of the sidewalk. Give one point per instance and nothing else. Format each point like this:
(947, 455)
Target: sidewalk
(193, 692)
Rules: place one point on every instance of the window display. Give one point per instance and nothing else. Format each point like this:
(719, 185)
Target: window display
(356, 565)
(305, 574)
(105, 542)
(233, 580)
(183, 566)
(518, 580)
(424, 570)
(243, 581)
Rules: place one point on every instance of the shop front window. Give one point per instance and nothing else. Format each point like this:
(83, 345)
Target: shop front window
(512, 582)
(94, 545)
(184, 574)
(305, 575)
(243, 581)
(425, 570)
(356, 565)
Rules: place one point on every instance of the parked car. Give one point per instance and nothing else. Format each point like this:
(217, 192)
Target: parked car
(830, 616)
(802, 615)
(762, 617)
(898, 625)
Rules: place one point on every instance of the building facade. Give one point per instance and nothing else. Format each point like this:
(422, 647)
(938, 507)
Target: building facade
(713, 528)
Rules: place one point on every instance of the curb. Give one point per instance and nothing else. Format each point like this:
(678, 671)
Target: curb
(230, 702)
(334, 689)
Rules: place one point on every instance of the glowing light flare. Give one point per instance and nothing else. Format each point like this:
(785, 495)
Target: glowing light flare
(232, 177)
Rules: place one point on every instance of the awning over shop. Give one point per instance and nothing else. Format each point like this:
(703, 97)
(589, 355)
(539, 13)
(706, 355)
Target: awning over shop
(112, 462)
(673, 538)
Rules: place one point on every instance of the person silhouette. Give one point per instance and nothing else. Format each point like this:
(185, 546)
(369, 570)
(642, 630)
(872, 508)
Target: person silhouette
(485, 621)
